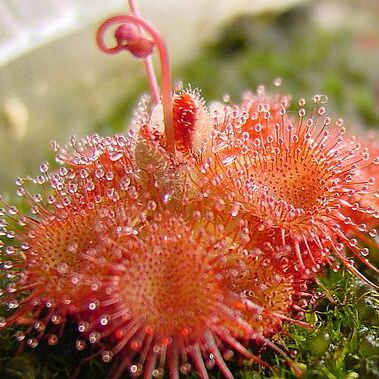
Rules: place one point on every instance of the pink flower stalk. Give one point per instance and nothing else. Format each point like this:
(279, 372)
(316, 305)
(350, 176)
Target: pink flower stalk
(148, 63)
(128, 37)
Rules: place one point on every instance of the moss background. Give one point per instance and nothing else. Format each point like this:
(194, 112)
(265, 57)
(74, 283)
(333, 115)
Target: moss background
(309, 59)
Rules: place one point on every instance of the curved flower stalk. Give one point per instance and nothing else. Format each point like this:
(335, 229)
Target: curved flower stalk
(169, 306)
(128, 37)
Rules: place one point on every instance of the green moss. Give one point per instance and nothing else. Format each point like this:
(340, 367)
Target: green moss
(344, 342)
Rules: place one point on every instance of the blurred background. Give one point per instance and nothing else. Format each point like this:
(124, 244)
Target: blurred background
(54, 82)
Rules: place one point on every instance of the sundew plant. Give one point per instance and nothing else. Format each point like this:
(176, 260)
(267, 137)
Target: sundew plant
(211, 238)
